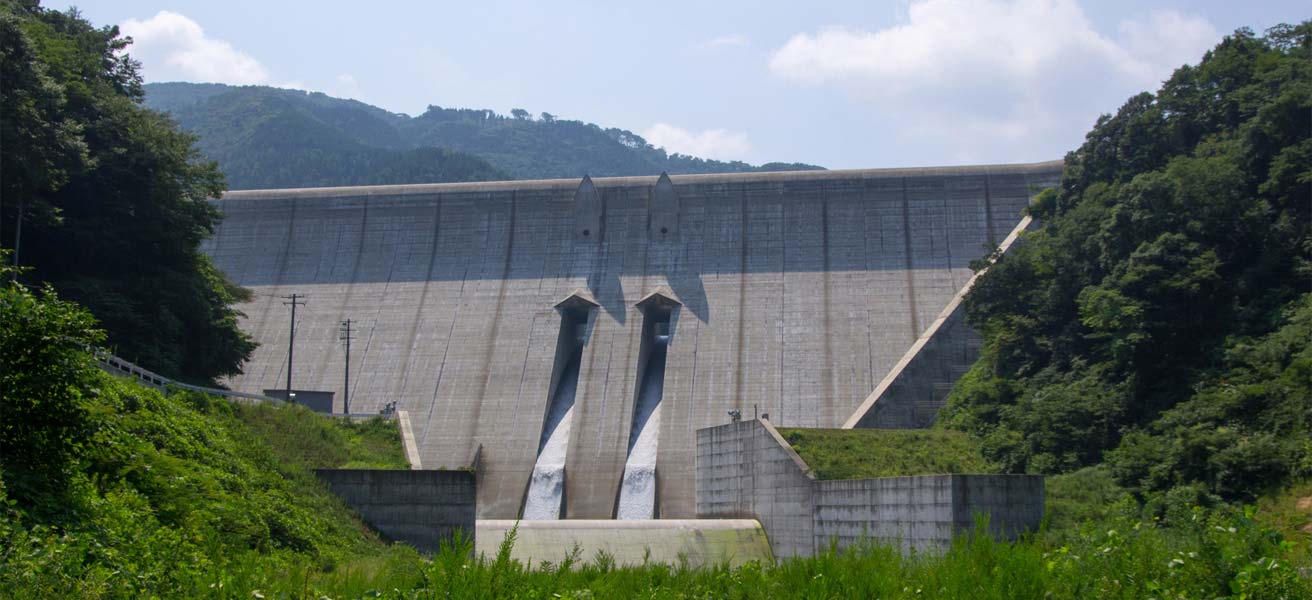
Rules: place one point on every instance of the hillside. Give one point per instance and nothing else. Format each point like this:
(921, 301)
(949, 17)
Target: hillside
(266, 137)
(1160, 322)
(111, 489)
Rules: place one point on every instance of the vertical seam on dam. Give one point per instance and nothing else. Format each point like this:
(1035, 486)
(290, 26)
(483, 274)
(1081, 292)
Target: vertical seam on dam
(446, 351)
(486, 365)
(350, 289)
(947, 241)
(523, 374)
(911, 277)
(282, 273)
(827, 369)
(783, 310)
(423, 299)
(740, 367)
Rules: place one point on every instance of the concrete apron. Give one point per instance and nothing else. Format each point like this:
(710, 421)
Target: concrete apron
(672, 541)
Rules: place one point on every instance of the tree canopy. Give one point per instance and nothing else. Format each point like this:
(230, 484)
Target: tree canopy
(1159, 319)
(112, 200)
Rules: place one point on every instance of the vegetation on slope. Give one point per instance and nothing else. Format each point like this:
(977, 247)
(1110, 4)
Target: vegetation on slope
(109, 488)
(302, 438)
(1161, 319)
(110, 197)
(861, 453)
(268, 137)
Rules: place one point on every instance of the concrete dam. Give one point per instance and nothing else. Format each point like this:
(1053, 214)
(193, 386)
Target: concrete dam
(567, 338)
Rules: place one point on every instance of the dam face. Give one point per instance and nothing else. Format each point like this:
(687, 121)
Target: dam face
(791, 294)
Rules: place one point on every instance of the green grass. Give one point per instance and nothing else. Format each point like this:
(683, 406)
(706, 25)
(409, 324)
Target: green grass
(299, 436)
(861, 453)
(1289, 512)
(1217, 556)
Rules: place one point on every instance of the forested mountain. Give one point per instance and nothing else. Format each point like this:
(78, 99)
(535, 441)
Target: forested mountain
(1161, 320)
(266, 137)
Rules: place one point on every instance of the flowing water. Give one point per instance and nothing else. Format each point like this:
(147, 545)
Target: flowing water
(638, 489)
(546, 489)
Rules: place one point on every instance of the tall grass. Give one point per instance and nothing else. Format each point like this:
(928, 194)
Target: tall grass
(1214, 556)
(303, 438)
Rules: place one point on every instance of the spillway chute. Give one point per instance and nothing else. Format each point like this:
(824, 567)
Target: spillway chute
(638, 489)
(545, 497)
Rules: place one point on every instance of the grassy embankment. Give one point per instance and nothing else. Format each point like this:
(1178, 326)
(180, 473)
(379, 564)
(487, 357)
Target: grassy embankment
(299, 437)
(862, 453)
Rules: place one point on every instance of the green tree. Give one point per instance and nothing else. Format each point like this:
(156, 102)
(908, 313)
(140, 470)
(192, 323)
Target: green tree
(45, 377)
(119, 198)
(39, 145)
(1179, 234)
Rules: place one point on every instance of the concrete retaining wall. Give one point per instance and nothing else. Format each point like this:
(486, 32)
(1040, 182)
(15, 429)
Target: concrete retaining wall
(747, 470)
(696, 541)
(419, 508)
(799, 292)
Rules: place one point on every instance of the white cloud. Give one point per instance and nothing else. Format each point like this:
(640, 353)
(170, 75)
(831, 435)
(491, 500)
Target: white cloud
(345, 85)
(995, 79)
(711, 143)
(172, 47)
(733, 40)
(1167, 39)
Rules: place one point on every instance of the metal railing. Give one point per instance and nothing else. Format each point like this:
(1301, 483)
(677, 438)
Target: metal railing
(117, 366)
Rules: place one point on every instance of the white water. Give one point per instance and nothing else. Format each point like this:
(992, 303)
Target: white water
(546, 489)
(638, 490)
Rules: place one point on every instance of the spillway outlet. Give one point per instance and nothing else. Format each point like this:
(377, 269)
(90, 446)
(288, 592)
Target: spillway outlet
(638, 497)
(544, 497)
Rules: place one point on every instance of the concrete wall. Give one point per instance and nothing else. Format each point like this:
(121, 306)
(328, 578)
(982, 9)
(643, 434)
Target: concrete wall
(420, 508)
(746, 470)
(925, 511)
(799, 291)
(697, 541)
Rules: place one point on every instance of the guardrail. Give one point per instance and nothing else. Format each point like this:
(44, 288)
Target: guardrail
(118, 366)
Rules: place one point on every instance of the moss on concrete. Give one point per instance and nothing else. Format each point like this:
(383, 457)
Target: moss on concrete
(861, 453)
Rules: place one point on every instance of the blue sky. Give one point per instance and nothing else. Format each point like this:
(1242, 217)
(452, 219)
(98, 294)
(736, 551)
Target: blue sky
(842, 84)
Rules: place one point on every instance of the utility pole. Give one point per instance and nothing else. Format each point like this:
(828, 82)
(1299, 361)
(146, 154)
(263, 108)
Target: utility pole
(293, 301)
(345, 335)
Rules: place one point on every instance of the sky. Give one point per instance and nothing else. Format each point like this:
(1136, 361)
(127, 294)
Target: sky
(845, 84)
